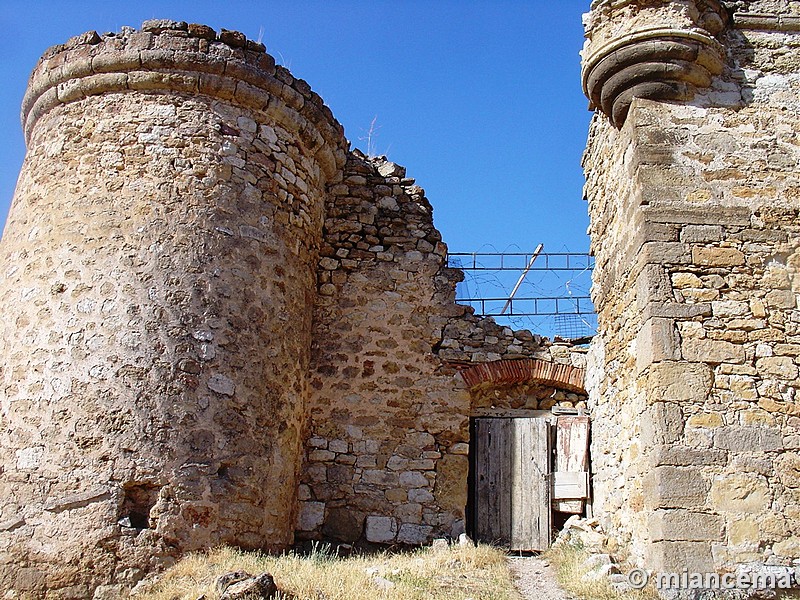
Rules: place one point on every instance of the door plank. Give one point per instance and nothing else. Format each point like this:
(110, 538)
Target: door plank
(530, 501)
(572, 456)
(570, 485)
(493, 500)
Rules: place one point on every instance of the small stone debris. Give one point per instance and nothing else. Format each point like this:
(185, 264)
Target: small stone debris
(382, 583)
(240, 585)
(440, 545)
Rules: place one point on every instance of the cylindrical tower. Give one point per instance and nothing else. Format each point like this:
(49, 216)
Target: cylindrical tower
(157, 282)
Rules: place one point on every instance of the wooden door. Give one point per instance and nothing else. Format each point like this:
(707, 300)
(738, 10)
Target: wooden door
(511, 504)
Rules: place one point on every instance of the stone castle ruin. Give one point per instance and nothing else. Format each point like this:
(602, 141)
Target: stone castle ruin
(223, 326)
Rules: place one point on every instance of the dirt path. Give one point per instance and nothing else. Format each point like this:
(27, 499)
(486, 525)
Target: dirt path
(536, 579)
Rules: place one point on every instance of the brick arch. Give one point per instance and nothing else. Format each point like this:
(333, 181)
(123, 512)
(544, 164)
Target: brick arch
(503, 372)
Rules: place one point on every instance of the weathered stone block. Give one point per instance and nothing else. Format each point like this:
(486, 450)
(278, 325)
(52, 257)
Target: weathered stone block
(413, 479)
(685, 456)
(312, 515)
(706, 420)
(717, 257)
(413, 534)
(681, 382)
(744, 530)
(685, 525)
(657, 341)
(740, 493)
(748, 439)
(711, 351)
(661, 253)
(677, 310)
(451, 474)
(674, 487)
(789, 548)
(785, 299)
(701, 233)
(652, 285)
(662, 423)
(787, 467)
(675, 557)
(381, 530)
(777, 366)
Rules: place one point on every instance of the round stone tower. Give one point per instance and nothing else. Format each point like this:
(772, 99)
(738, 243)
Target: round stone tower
(157, 282)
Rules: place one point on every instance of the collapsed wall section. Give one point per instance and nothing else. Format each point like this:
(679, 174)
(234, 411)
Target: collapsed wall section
(694, 223)
(387, 457)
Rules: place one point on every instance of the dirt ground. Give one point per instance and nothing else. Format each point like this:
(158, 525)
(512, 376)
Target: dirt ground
(536, 579)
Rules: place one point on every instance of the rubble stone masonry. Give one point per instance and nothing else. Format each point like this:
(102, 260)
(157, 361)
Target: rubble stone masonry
(693, 184)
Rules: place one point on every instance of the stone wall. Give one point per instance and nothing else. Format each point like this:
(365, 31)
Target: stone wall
(694, 224)
(386, 460)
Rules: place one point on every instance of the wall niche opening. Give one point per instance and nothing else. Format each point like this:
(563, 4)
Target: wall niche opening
(138, 501)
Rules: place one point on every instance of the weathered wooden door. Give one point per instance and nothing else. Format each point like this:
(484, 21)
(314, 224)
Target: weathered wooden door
(511, 505)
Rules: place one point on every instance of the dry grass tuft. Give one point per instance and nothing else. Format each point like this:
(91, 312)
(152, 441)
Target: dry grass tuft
(569, 563)
(456, 573)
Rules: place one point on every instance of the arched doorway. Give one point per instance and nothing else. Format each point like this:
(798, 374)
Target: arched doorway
(529, 460)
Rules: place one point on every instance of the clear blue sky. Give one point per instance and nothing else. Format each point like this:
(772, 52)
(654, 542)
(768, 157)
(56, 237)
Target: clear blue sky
(481, 100)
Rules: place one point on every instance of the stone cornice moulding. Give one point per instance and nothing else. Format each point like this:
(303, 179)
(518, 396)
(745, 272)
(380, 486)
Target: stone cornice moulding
(174, 57)
(643, 35)
(657, 63)
(766, 22)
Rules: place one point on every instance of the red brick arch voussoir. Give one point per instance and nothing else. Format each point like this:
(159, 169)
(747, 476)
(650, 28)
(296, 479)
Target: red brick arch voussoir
(526, 370)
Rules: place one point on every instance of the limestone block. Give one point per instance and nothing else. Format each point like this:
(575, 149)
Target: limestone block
(743, 530)
(707, 420)
(789, 548)
(674, 487)
(381, 530)
(681, 382)
(460, 448)
(338, 446)
(451, 477)
(730, 308)
(675, 557)
(666, 253)
(413, 534)
(777, 366)
(652, 285)
(312, 514)
(701, 233)
(422, 496)
(717, 257)
(677, 310)
(413, 479)
(686, 280)
(712, 351)
(780, 299)
(657, 341)
(396, 495)
(740, 493)
(788, 408)
(685, 525)
(748, 439)
(678, 455)
(787, 467)
(662, 423)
